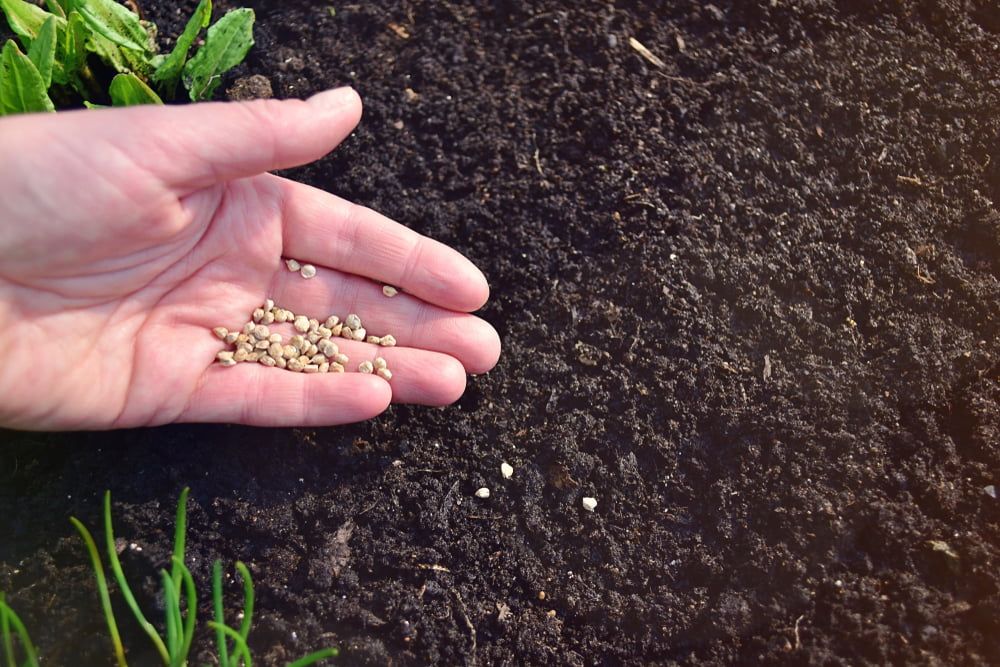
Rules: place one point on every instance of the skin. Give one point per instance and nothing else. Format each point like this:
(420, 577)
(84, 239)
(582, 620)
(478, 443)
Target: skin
(126, 235)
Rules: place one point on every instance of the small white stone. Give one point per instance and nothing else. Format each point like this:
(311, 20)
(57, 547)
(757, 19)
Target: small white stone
(507, 470)
(590, 504)
(307, 271)
(292, 265)
(990, 490)
(483, 493)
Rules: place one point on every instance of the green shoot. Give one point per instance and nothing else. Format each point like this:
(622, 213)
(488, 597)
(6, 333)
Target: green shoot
(313, 658)
(7, 619)
(102, 589)
(241, 645)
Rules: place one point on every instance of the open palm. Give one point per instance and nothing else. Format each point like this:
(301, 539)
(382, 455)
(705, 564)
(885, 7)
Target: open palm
(126, 235)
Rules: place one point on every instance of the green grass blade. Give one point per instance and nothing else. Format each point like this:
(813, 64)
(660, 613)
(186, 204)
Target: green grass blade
(180, 531)
(11, 618)
(172, 616)
(116, 568)
(313, 658)
(102, 589)
(220, 618)
(241, 646)
(190, 618)
(248, 600)
(8, 640)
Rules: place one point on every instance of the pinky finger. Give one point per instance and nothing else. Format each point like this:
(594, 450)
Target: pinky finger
(257, 396)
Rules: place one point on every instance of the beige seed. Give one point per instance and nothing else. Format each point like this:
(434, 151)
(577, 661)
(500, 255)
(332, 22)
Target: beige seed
(336, 329)
(307, 271)
(280, 316)
(281, 362)
(389, 291)
(342, 359)
(275, 338)
(336, 368)
(261, 332)
(324, 368)
(310, 368)
(301, 324)
(269, 304)
(262, 345)
(276, 350)
(258, 315)
(312, 351)
(246, 347)
(221, 332)
(324, 332)
(290, 352)
(360, 334)
(328, 347)
(268, 318)
(226, 358)
(318, 359)
(332, 321)
(313, 325)
(293, 265)
(303, 359)
(295, 366)
(254, 357)
(347, 333)
(298, 341)
(384, 373)
(388, 340)
(242, 338)
(231, 337)
(313, 337)
(380, 363)
(268, 361)
(248, 328)
(353, 321)
(374, 340)
(240, 355)
(366, 367)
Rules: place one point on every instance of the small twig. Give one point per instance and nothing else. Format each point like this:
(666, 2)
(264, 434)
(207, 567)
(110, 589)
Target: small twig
(538, 164)
(911, 180)
(798, 643)
(433, 566)
(468, 624)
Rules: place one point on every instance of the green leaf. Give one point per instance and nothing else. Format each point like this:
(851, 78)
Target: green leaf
(114, 22)
(168, 71)
(226, 46)
(22, 89)
(56, 8)
(72, 52)
(26, 19)
(128, 90)
(102, 589)
(43, 50)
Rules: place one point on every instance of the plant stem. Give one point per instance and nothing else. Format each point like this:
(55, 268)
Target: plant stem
(102, 589)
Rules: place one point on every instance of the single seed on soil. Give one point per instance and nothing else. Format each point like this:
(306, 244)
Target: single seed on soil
(307, 271)
(341, 358)
(388, 340)
(261, 332)
(226, 358)
(507, 470)
(352, 321)
(331, 321)
(292, 265)
(360, 334)
(336, 368)
(258, 315)
(374, 340)
(231, 337)
(483, 493)
(310, 368)
(589, 504)
(389, 291)
(366, 367)
(384, 373)
(221, 332)
(301, 324)
(380, 363)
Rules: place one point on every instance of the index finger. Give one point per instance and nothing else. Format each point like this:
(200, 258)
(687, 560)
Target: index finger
(323, 229)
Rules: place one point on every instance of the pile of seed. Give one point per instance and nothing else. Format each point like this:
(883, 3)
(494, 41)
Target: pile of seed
(311, 350)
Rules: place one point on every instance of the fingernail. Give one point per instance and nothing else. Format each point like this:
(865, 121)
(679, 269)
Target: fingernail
(332, 100)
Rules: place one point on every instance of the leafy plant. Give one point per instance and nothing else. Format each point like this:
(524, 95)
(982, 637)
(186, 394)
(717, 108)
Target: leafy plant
(174, 645)
(61, 47)
(10, 625)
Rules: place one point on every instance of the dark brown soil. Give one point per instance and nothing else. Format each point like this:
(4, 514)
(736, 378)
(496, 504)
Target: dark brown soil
(749, 302)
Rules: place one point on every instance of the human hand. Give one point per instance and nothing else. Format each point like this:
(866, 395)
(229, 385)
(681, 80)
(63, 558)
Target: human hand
(126, 235)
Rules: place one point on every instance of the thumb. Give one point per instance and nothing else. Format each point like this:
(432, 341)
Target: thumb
(197, 145)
